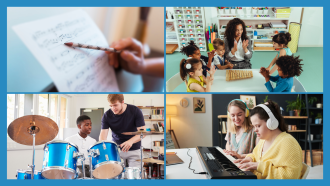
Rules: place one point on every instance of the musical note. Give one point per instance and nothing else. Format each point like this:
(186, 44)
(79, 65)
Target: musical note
(72, 69)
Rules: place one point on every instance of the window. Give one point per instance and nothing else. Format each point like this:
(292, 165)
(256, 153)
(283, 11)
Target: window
(10, 108)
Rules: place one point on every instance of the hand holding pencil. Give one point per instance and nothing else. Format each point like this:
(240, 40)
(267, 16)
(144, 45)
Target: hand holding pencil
(126, 59)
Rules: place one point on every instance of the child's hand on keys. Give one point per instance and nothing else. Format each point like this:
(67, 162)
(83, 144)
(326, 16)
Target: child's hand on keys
(212, 70)
(232, 153)
(245, 160)
(248, 166)
(245, 44)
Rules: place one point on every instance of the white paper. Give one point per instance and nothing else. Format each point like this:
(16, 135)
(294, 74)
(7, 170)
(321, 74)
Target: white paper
(71, 69)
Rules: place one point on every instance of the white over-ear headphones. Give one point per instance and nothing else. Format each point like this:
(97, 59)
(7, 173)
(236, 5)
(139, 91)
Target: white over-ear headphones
(272, 122)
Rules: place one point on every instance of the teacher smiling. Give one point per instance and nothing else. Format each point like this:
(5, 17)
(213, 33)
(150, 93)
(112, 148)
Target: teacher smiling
(238, 50)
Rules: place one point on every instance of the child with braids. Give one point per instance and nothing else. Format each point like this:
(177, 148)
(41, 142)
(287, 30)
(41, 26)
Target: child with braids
(288, 67)
(219, 58)
(191, 50)
(280, 41)
(192, 67)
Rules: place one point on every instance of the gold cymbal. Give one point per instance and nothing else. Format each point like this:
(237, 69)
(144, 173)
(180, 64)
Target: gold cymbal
(151, 160)
(21, 130)
(143, 132)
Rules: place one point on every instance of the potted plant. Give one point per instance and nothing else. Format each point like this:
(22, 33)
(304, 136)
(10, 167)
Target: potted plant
(290, 108)
(311, 100)
(296, 106)
(319, 105)
(318, 118)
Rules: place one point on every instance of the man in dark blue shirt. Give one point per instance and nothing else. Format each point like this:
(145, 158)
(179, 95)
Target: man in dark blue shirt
(121, 118)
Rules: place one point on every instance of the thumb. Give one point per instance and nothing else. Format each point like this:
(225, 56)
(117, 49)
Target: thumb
(129, 56)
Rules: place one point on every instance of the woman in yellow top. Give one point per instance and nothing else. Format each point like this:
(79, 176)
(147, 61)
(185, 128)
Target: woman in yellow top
(193, 68)
(278, 155)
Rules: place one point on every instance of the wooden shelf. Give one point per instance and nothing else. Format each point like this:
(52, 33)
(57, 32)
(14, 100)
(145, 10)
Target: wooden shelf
(296, 130)
(295, 117)
(264, 49)
(313, 141)
(153, 107)
(222, 133)
(285, 117)
(153, 119)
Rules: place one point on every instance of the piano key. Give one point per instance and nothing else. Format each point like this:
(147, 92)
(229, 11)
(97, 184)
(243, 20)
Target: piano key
(227, 156)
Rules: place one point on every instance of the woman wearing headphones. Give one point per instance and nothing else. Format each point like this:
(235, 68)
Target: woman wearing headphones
(278, 154)
(241, 138)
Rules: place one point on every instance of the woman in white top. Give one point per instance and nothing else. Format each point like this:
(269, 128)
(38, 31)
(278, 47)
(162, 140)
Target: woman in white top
(237, 44)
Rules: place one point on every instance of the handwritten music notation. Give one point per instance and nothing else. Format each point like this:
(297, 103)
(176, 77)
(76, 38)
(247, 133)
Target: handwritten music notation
(72, 69)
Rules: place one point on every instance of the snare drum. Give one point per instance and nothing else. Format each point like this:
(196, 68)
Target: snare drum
(106, 162)
(26, 175)
(60, 160)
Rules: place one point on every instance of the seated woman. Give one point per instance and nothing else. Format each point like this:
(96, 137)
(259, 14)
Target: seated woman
(237, 48)
(241, 138)
(278, 154)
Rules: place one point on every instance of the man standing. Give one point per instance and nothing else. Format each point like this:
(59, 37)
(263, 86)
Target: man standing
(121, 118)
(83, 141)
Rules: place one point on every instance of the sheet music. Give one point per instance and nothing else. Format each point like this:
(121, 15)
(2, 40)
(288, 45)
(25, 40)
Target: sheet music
(72, 69)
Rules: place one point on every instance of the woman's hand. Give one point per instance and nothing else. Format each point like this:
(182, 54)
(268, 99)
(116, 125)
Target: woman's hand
(245, 44)
(232, 153)
(212, 70)
(245, 160)
(248, 166)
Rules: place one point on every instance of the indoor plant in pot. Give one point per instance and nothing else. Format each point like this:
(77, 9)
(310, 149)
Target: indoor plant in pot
(318, 118)
(311, 101)
(290, 108)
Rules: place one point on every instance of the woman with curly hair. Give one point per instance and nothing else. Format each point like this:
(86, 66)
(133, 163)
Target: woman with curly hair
(280, 41)
(238, 50)
(288, 67)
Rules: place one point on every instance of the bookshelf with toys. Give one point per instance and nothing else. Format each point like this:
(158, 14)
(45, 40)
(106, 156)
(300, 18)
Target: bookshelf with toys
(262, 23)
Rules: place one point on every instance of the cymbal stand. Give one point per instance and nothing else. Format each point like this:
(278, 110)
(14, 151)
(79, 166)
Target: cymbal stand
(33, 130)
(141, 150)
(33, 166)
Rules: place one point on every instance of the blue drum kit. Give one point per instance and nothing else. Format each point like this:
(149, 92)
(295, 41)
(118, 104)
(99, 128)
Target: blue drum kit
(61, 157)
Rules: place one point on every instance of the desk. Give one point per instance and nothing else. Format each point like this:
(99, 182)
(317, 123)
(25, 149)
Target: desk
(255, 84)
(181, 171)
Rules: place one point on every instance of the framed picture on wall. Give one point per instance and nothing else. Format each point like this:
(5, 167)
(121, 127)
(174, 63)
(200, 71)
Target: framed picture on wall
(249, 100)
(199, 105)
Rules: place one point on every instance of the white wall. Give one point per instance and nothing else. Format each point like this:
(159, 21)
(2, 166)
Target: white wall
(312, 25)
(126, 21)
(311, 34)
(19, 159)
(191, 129)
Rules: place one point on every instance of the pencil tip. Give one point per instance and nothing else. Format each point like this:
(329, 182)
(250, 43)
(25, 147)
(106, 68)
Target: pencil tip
(68, 44)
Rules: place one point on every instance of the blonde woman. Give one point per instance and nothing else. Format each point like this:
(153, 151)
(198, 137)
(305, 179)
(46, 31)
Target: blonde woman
(241, 137)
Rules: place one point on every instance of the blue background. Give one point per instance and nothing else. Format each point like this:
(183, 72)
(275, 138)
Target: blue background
(169, 3)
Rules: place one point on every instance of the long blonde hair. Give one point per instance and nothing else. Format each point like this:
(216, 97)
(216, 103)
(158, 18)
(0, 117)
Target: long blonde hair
(247, 125)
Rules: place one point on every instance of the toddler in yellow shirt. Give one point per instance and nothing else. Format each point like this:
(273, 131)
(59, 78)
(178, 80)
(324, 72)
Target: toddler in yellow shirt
(278, 155)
